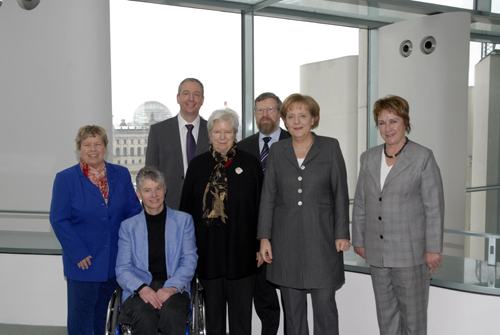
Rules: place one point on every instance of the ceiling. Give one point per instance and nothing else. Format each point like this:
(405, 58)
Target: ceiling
(485, 25)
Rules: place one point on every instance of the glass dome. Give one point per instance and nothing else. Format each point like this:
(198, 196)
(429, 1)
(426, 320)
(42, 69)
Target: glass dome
(150, 112)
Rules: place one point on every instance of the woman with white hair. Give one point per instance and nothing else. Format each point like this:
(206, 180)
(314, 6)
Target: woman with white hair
(222, 193)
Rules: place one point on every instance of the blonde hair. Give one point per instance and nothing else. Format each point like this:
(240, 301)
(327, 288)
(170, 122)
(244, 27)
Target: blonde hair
(90, 131)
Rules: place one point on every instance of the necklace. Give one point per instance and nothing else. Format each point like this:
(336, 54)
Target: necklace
(396, 155)
(302, 150)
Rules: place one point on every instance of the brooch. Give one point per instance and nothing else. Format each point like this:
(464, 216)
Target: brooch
(239, 170)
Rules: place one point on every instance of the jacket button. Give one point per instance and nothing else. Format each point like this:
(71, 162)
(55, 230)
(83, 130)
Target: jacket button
(379, 199)
(300, 190)
(300, 178)
(380, 218)
(302, 167)
(381, 237)
(300, 203)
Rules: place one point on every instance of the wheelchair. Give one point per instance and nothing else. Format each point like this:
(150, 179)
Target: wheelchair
(194, 326)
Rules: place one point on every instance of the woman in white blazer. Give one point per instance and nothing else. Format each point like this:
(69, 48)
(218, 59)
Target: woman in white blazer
(398, 219)
(304, 218)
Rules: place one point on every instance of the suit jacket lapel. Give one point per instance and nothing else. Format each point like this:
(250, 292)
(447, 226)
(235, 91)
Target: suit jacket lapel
(373, 164)
(202, 141)
(255, 145)
(173, 136)
(401, 164)
(111, 176)
(314, 150)
(141, 234)
(290, 154)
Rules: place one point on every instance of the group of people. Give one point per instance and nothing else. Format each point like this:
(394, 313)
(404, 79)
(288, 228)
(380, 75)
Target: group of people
(248, 217)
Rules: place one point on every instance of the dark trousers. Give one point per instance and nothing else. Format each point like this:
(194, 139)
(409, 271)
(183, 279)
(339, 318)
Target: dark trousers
(266, 303)
(88, 305)
(169, 320)
(238, 294)
(326, 317)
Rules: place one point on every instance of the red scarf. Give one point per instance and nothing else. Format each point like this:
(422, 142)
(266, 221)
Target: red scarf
(98, 177)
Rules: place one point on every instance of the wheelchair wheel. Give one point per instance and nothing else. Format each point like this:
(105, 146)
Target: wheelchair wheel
(113, 313)
(198, 325)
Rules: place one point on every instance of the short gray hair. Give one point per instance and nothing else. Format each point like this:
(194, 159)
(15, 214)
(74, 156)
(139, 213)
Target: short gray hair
(153, 173)
(226, 114)
(193, 80)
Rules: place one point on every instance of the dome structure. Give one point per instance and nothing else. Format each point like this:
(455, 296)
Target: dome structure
(150, 112)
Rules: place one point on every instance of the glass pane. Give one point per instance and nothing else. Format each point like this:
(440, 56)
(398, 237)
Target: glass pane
(495, 6)
(283, 46)
(467, 4)
(152, 51)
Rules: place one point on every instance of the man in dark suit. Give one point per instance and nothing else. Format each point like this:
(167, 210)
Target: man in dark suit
(267, 117)
(174, 142)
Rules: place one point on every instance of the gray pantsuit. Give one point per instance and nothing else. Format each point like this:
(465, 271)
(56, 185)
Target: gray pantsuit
(397, 225)
(303, 210)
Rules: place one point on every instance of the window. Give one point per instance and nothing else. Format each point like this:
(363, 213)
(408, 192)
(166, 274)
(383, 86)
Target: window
(138, 151)
(117, 141)
(139, 141)
(117, 151)
(139, 77)
(124, 141)
(125, 153)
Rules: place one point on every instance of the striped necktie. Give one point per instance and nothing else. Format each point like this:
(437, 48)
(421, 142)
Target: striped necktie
(264, 153)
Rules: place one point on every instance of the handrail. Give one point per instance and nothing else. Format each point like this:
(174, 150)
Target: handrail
(3, 211)
(482, 188)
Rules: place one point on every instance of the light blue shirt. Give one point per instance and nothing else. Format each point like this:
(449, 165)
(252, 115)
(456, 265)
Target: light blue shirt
(275, 137)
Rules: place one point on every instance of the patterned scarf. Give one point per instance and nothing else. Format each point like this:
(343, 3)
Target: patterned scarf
(216, 192)
(98, 177)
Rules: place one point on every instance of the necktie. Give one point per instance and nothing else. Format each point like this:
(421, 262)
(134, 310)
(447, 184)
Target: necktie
(264, 153)
(190, 143)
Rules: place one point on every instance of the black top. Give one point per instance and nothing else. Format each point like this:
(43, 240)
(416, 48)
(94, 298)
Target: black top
(156, 244)
(228, 250)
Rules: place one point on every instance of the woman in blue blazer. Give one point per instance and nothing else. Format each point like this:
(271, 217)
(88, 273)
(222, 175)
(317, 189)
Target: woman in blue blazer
(89, 202)
(156, 261)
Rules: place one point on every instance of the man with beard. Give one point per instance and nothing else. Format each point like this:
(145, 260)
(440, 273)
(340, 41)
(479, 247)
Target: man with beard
(267, 117)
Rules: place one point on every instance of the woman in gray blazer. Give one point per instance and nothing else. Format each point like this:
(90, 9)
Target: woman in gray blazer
(398, 220)
(304, 218)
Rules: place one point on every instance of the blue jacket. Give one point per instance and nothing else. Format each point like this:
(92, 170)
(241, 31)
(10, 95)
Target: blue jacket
(84, 224)
(132, 264)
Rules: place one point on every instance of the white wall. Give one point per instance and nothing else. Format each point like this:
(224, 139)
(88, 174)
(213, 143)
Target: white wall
(35, 294)
(55, 77)
(436, 87)
(485, 151)
(334, 85)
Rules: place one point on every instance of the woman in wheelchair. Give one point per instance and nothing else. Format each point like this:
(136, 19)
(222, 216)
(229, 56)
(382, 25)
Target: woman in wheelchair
(156, 261)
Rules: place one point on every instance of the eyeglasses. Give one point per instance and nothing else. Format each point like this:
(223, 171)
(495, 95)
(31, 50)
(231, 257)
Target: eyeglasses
(429, 274)
(269, 110)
